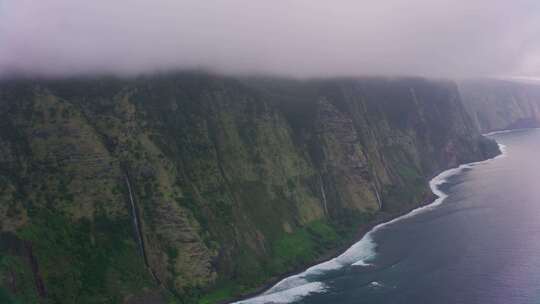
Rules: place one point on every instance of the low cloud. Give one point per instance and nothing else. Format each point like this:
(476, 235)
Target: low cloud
(304, 38)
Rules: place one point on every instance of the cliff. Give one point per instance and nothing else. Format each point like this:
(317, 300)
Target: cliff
(496, 105)
(196, 188)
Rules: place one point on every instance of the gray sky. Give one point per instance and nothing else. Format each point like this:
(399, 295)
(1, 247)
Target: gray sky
(441, 38)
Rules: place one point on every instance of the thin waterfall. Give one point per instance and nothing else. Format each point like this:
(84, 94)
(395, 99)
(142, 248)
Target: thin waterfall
(378, 197)
(323, 195)
(135, 217)
(138, 230)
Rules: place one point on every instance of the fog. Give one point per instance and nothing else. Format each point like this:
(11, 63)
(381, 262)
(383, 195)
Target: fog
(301, 38)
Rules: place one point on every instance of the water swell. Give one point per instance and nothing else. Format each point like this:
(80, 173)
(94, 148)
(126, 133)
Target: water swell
(360, 254)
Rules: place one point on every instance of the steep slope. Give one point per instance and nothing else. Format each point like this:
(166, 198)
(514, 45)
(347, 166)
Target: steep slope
(190, 187)
(498, 105)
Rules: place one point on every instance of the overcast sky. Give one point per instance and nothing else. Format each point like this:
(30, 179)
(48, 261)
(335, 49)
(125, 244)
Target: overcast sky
(441, 38)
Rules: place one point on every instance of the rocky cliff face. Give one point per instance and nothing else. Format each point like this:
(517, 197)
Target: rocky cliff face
(198, 188)
(496, 105)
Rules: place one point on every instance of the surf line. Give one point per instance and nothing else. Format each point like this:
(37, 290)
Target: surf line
(295, 287)
(508, 131)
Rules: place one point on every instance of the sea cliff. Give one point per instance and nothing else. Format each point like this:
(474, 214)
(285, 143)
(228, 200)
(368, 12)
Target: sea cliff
(191, 187)
(496, 104)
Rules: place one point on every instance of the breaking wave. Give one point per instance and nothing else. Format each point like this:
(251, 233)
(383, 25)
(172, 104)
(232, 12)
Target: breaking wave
(288, 295)
(294, 288)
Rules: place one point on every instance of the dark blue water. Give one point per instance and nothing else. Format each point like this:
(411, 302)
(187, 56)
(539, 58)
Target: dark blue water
(481, 245)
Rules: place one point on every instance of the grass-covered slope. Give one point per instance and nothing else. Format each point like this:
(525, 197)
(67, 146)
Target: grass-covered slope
(232, 181)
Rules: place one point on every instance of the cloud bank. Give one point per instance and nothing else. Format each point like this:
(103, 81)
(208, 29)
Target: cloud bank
(303, 38)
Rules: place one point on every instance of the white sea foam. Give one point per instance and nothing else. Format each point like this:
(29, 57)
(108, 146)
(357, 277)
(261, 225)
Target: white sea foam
(503, 151)
(498, 132)
(360, 254)
(289, 295)
(362, 263)
(508, 131)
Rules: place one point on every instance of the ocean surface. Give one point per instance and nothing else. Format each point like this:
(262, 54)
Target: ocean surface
(478, 243)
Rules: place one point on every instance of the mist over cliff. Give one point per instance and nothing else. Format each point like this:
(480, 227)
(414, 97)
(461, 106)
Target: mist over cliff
(129, 175)
(498, 104)
(436, 38)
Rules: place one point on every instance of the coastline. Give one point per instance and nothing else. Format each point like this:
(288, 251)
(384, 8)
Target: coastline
(432, 199)
(362, 231)
(507, 131)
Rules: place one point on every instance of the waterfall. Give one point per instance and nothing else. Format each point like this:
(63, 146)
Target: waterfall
(135, 217)
(138, 231)
(323, 195)
(378, 198)
(413, 95)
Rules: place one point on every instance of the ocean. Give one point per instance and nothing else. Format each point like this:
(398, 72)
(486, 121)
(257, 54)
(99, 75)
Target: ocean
(479, 242)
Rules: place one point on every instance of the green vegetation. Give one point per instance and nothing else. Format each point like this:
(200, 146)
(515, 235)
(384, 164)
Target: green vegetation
(18, 270)
(221, 294)
(236, 181)
(408, 173)
(99, 258)
(304, 245)
(292, 250)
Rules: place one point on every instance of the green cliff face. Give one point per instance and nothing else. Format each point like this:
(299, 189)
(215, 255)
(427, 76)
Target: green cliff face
(498, 105)
(196, 188)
